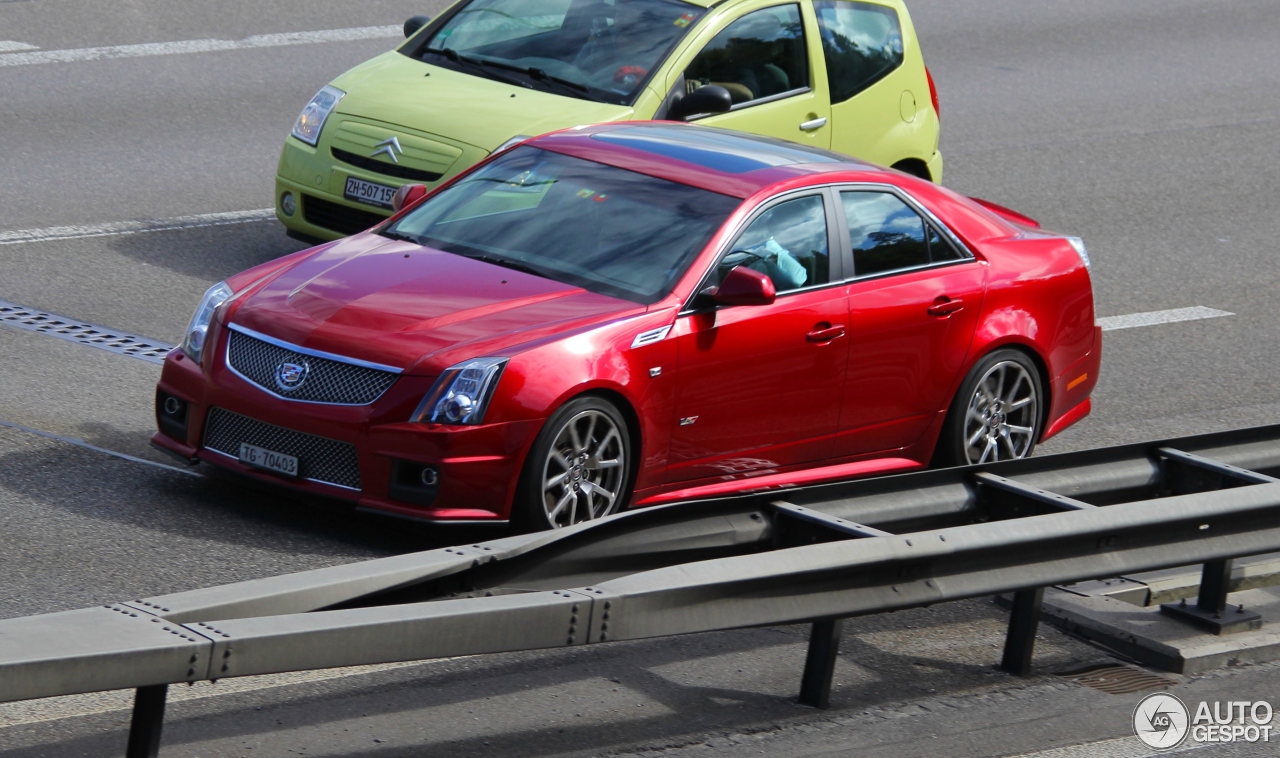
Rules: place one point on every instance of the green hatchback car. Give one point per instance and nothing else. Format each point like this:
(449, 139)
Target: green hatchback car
(846, 75)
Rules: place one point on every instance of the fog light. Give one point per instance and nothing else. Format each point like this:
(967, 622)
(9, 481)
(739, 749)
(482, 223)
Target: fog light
(429, 476)
(172, 406)
(288, 204)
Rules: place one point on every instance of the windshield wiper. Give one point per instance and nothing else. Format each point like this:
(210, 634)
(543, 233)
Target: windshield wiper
(505, 263)
(391, 234)
(542, 76)
(475, 63)
(534, 73)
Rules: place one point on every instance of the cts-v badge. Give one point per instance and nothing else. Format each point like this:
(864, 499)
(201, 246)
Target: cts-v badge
(390, 146)
(290, 376)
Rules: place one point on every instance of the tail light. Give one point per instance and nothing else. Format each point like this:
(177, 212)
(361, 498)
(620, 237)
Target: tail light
(933, 92)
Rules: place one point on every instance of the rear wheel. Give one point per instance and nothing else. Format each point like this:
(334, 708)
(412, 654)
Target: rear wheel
(996, 414)
(579, 468)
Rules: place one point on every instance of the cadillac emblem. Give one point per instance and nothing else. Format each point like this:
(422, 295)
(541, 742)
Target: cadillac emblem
(290, 376)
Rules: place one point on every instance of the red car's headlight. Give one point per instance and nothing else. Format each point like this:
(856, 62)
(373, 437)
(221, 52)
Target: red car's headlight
(193, 342)
(461, 395)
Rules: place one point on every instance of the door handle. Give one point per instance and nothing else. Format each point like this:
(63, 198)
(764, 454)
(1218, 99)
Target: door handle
(816, 123)
(825, 333)
(945, 306)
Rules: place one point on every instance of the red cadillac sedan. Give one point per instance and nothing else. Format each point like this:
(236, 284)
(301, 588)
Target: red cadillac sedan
(620, 315)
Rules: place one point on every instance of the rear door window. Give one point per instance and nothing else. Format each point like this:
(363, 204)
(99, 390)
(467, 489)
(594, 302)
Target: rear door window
(861, 42)
(887, 235)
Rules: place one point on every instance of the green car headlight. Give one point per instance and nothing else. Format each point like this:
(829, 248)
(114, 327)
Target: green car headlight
(311, 120)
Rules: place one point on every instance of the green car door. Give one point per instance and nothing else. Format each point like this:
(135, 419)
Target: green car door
(767, 55)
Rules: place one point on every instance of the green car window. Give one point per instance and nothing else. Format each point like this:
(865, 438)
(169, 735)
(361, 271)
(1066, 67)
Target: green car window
(605, 229)
(861, 43)
(591, 49)
(760, 55)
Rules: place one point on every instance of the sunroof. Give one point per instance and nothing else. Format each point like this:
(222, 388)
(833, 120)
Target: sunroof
(716, 149)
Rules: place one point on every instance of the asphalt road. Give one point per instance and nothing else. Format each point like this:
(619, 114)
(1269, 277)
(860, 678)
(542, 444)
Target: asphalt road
(1147, 127)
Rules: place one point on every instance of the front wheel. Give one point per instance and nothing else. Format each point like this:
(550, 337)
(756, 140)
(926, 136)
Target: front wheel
(579, 468)
(996, 414)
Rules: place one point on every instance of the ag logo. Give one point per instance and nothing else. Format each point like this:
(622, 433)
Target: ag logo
(290, 376)
(1161, 721)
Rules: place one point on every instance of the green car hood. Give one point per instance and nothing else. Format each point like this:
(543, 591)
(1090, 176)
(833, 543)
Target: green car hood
(396, 89)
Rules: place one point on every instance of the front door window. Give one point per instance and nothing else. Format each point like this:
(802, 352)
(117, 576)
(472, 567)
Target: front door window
(760, 55)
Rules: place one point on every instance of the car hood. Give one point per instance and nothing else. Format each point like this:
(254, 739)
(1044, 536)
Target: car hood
(471, 109)
(413, 307)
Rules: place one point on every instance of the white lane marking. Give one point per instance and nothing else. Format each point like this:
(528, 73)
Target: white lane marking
(9, 46)
(1122, 747)
(181, 47)
(89, 446)
(51, 233)
(71, 706)
(1151, 318)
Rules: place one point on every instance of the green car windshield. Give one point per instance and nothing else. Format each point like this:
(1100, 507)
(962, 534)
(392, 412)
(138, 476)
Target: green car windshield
(601, 50)
(601, 228)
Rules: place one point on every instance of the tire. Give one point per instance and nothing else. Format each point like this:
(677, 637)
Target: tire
(579, 469)
(996, 415)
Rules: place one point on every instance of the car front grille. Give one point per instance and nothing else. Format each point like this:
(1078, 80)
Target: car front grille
(336, 217)
(381, 167)
(320, 459)
(325, 380)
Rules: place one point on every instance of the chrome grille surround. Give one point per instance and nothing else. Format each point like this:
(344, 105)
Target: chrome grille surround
(320, 459)
(329, 379)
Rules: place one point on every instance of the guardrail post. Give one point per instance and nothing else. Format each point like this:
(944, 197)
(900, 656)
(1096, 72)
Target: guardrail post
(148, 719)
(1024, 618)
(820, 663)
(1214, 578)
(1210, 611)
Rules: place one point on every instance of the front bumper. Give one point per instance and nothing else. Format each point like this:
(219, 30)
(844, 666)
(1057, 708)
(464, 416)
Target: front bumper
(477, 467)
(317, 180)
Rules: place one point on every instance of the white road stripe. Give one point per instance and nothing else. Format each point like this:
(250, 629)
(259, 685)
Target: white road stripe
(8, 46)
(1151, 318)
(47, 234)
(81, 443)
(1123, 747)
(199, 45)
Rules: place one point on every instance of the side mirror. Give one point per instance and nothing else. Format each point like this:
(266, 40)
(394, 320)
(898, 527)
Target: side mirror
(743, 286)
(711, 98)
(414, 24)
(407, 195)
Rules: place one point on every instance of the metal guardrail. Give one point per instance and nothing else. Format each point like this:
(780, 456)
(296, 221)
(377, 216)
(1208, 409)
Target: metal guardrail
(820, 553)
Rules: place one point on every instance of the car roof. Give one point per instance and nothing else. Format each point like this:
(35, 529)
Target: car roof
(719, 160)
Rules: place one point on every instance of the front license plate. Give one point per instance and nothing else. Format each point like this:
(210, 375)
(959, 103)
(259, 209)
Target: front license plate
(369, 193)
(268, 459)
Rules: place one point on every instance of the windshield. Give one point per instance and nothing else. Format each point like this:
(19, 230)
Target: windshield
(604, 229)
(598, 50)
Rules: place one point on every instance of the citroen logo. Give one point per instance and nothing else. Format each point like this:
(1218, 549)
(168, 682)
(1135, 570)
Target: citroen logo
(390, 146)
(290, 376)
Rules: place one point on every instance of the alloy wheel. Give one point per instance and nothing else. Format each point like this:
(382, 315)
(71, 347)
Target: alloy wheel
(585, 469)
(1000, 422)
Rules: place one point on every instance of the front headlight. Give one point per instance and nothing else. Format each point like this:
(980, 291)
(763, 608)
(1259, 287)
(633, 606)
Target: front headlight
(198, 329)
(311, 120)
(461, 395)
